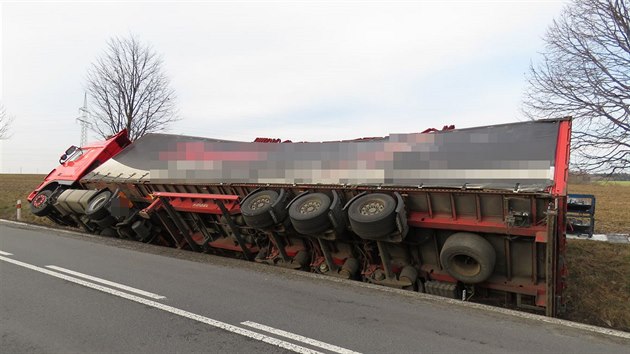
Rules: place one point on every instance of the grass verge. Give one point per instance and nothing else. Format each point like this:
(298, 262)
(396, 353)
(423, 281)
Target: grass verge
(599, 284)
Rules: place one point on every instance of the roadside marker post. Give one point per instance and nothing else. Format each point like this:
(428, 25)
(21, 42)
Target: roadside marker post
(18, 209)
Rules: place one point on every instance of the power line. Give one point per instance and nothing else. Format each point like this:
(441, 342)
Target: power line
(83, 120)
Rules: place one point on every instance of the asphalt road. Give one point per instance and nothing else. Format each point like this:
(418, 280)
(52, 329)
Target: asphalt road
(187, 302)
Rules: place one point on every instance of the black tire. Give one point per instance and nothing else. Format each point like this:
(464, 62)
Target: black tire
(108, 232)
(142, 229)
(107, 221)
(309, 214)
(97, 206)
(40, 205)
(126, 232)
(373, 216)
(468, 257)
(256, 209)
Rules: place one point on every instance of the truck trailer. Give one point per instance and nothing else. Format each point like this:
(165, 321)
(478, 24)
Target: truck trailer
(474, 214)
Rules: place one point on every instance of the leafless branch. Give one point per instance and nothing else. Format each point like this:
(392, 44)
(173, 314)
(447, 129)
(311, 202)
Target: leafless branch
(585, 73)
(5, 123)
(128, 89)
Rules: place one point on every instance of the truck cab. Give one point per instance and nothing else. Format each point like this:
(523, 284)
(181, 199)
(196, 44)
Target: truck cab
(74, 163)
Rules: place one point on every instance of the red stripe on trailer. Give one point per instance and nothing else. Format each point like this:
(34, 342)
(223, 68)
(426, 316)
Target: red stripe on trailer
(201, 203)
(226, 197)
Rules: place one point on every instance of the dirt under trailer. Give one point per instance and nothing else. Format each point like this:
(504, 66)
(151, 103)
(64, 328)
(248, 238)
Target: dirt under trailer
(473, 214)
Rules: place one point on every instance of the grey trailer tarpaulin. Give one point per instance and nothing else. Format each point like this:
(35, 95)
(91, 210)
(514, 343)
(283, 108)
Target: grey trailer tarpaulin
(508, 156)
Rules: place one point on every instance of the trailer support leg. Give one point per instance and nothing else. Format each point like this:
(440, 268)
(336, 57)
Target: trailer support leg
(279, 245)
(234, 228)
(550, 263)
(201, 227)
(386, 260)
(181, 226)
(176, 239)
(332, 267)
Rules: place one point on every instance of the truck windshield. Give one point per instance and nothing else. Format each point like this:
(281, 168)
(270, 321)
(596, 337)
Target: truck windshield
(71, 154)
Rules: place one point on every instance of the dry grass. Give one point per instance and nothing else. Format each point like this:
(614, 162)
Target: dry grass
(612, 205)
(599, 273)
(14, 187)
(599, 283)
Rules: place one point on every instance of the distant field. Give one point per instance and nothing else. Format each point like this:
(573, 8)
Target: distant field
(612, 206)
(612, 183)
(599, 273)
(14, 187)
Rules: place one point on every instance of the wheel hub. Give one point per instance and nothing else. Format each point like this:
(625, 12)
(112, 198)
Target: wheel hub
(466, 265)
(260, 202)
(98, 203)
(372, 208)
(310, 206)
(39, 200)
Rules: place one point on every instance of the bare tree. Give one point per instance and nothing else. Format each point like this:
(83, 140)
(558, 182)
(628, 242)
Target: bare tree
(5, 122)
(585, 73)
(128, 89)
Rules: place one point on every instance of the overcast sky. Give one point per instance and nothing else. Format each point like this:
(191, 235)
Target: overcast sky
(291, 70)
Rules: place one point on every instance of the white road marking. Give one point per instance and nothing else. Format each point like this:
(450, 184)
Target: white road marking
(5, 253)
(218, 324)
(299, 338)
(107, 282)
(383, 289)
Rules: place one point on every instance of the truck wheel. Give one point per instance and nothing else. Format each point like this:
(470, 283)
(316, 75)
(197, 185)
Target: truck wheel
(40, 205)
(109, 232)
(372, 215)
(309, 214)
(142, 229)
(126, 232)
(97, 206)
(107, 221)
(468, 257)
(256, 209)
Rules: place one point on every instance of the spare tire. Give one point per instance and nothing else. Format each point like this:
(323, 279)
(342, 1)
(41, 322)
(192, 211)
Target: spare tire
(309, 214)
(40, 205)
(373, 216)
(468, 257)
(256, 209)
(97, 206)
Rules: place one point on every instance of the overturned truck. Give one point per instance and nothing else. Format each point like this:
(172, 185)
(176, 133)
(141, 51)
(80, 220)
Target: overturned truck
(473, 213)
